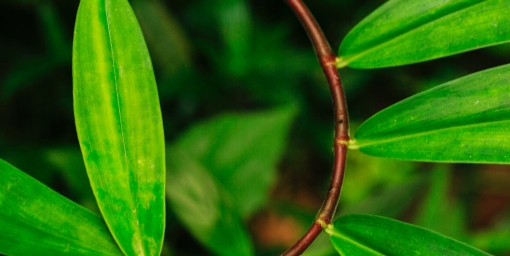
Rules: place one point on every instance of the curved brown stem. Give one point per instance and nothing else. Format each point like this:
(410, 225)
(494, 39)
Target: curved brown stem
(327, 62)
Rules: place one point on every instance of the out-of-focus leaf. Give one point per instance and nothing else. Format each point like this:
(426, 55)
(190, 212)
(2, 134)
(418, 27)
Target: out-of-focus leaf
(321, 246)
(36, 220)
(235, 27)
(408, 31)
(202, 206)
(494, 241)
(69, 162)
(168, 44)
(465, 120)
(241, 152)
(368, 173)
(27, 72)
(390, 202)
(119, 124)
(438, 212)
(53, 30)
(374, 235)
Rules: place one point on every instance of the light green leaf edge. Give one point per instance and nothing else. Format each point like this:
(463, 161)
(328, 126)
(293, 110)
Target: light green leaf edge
(35, 220)
(408, 31)
(373, 235)
(465, 120)
(119, 124)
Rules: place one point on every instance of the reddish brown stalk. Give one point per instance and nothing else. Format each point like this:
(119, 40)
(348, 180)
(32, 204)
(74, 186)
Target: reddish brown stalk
(327, 61)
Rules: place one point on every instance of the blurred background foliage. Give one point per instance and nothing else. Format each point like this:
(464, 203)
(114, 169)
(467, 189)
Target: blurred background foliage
(248, 123)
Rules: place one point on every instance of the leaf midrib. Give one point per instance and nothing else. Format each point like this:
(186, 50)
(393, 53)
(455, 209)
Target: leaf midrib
(110, 41)
(372, 142)
(335, 232)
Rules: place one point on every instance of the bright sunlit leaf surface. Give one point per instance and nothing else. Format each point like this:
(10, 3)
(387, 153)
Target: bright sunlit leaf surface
(221, 171)
(373, 235)
(119, 124)
(466, 120)
(35, 220)
(409, 31)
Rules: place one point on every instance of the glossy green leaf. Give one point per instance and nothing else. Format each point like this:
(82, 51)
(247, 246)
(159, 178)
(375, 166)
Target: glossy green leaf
(203, 206)
(465, 120)
(119, 124)
(36, 220)
(241, 152)
(372, 235)
(409, 31)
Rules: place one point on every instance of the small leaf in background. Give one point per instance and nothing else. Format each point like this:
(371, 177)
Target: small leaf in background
(36, 219)
(235, 24)
(165, 38)
(201, 205)
(465, 120)
(374, 235)
(27, 72)
(119, 124)
(408, 31)
(367, 173)
(220, 172)
(494, 241)
(438, 211)
(53, 30)
(68, 161)
(390, 202)
(241, 152)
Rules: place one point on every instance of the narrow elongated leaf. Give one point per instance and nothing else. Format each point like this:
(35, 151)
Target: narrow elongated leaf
(119, 124)
(465, 120)
(35, 220)
(409, 31)
(373, 235)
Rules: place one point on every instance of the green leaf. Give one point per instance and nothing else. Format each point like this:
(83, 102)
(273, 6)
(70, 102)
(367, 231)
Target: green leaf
(36, 219)
(202, 206)
(119, 124)
(373, 235)
(408, 31)
(68, 161)
(220, 172)
(438, 211)
(465, 120)
(494, 240)
(241, 152)
(389, 202)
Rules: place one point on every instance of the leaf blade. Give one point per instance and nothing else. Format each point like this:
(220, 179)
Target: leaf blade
(34, 218)
(119, 123)
(465, 120)
(404, 32)
(374, 235)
